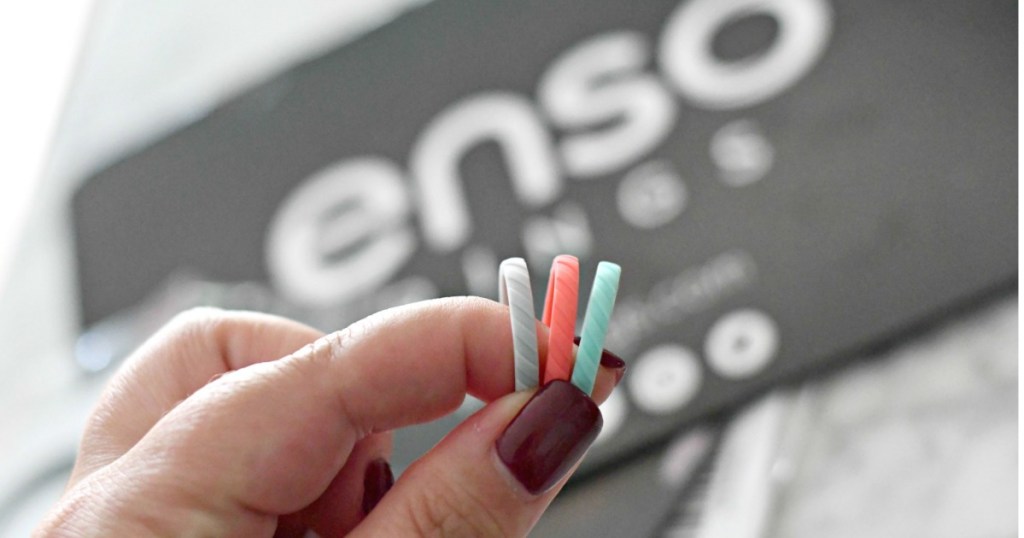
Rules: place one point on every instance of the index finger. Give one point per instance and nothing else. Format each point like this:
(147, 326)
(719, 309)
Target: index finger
(415, 363)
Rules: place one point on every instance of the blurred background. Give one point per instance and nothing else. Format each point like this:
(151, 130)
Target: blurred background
(814, 203)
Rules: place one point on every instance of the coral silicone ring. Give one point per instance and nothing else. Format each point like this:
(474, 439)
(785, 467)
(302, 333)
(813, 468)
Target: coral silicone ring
(595, 325)
(560, 316)
(514, 290)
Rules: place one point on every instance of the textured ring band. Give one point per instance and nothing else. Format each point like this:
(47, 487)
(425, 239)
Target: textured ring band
(595, 325)
(514, 290)
(560, 316)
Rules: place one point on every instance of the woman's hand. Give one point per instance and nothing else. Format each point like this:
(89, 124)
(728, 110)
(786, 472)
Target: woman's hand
(236, 423)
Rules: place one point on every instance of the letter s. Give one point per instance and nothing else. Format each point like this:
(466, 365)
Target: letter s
(600, 80)
(341, 234)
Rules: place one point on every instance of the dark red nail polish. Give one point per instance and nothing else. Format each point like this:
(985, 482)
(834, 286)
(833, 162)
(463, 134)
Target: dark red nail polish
(549, 435)
(611, 360)
(377, 481)
(608, 359)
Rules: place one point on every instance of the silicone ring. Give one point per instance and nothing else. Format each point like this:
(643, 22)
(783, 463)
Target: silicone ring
(560, 316)
(514, 290)
(595, 325)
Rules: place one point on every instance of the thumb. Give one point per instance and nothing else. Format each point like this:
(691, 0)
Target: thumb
(496, 473)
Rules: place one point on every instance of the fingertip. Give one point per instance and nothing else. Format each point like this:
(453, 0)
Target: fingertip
(609, 374)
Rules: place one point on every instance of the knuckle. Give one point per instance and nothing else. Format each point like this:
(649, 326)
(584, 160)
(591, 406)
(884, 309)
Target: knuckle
(196, 318)
(467, 304)
(336, 343)
(314, 356)
(196, 324)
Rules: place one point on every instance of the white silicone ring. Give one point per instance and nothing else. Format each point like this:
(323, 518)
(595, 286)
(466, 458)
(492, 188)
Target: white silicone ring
(514, 290)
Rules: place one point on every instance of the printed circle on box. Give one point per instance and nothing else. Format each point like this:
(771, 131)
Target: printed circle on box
(651, 195)
(741, 343)
(664, 379)
(613, 411)
(741, 152)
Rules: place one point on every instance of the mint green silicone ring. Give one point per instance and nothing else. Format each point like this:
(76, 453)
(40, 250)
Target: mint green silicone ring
(595, 325)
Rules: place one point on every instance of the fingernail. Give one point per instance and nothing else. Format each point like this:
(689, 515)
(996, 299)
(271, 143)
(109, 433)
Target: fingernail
(549, 435)
(610, 360)
(377, 481)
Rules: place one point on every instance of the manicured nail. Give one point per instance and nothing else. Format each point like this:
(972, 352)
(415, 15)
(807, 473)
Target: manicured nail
(377, 481)
(549, 435)
(609, 360)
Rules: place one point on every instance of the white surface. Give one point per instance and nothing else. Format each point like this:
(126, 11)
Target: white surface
(922, 442)
(38, 52)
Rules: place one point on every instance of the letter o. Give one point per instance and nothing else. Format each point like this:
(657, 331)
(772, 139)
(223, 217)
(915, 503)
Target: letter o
(693, 70)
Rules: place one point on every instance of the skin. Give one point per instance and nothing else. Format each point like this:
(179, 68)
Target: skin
(244, 424)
